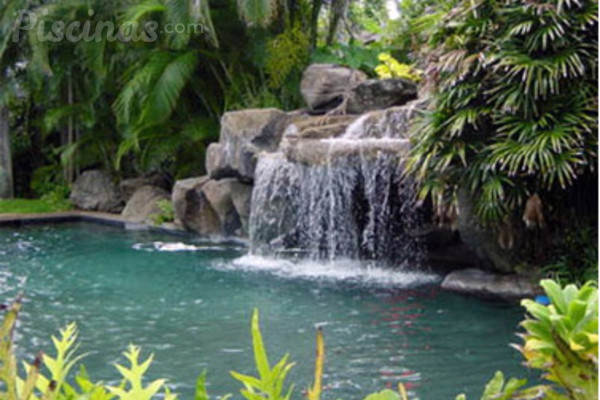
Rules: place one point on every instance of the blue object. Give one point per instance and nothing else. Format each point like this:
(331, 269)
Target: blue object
(542, 299)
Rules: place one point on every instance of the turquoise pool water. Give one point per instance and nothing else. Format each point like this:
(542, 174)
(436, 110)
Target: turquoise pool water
(189, 302)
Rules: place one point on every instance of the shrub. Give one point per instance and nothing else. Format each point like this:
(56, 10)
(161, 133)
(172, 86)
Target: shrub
(514, 104)
(353, 56)
(287, 54)
(391, 68)
(561, 340)
(575, 256)
(167, 213)
(49, 180)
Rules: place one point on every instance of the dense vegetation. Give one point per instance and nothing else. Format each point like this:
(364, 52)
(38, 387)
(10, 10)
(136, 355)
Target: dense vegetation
(513, 123)
(560, 339)
(153, 105)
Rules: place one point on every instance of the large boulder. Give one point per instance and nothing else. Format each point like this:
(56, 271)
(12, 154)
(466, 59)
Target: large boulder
(209, 207)
(484, 284)
(178, 196)
(241, 196)
(94, 190)
(130, 186)
(192, 210)
(231, 201)
(323, 86)
(378, 94)
(244, 134)
(143, 205)
(218, 195)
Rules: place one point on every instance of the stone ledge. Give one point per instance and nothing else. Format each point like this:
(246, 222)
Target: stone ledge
(85, 216)
(488, 285)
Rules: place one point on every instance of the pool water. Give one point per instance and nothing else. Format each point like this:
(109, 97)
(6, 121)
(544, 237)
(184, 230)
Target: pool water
(189, 302)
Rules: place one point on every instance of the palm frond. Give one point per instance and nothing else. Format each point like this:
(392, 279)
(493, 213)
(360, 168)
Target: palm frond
(164, 92)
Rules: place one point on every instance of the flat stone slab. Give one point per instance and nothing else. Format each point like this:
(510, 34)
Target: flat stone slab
(484, 284)
(324, 151)
(85, 216)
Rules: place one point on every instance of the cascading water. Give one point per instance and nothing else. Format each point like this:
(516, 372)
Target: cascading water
(341, 197)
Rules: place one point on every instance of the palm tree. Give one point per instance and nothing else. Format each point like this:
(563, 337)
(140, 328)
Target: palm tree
(150, 109)
(78, 79)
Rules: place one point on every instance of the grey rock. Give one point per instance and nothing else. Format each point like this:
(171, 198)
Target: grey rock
(378, 94)
(298, 125)
(94, 190)
(323, 127)
(192, 209)
(218, 195)
(393, 122)
(143, 204)
(484, 284)
(130, 186)
(210, 207)
(231, 201)
(308, 141)
(321, 152)
(244, 134)
(241, 196)
(324, 85)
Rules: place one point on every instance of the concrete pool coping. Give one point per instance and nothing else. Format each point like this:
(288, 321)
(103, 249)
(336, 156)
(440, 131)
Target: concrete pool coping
(16, 220)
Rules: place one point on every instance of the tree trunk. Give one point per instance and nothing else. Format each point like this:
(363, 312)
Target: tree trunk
(69, 166)
(6, 176)
(337, 12)
(314, 23)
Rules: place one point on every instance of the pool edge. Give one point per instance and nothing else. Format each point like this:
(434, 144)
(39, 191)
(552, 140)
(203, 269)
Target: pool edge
(17, 220)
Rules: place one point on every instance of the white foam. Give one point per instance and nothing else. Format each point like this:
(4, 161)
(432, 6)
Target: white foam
(339, 270)
(173, 247)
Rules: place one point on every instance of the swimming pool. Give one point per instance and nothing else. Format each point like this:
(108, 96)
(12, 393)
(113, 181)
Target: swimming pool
(189, 302)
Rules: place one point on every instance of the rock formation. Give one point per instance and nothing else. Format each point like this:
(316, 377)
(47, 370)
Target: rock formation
(143, 205)
(323, 186)
(94, 190)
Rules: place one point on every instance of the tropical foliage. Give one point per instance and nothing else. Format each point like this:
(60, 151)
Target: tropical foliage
(514, 104)
(391, 68)
(561, 340)
(575, 258)
(132, 106)
(47, 377)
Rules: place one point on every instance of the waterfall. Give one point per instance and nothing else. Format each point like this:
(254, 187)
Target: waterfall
(342, 197)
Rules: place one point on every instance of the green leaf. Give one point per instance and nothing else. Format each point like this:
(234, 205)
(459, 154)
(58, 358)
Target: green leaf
(555, 294)
(260, 354)
(384, 395)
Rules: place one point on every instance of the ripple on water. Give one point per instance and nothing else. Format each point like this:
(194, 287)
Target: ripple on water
(189, 302)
